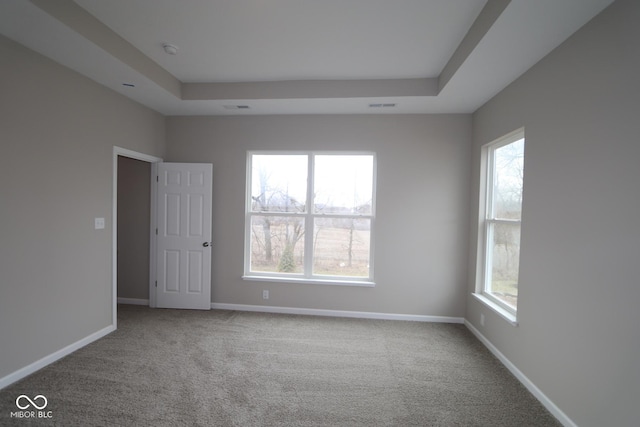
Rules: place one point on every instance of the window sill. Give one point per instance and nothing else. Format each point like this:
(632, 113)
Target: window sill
(509, 317)
(337, 282)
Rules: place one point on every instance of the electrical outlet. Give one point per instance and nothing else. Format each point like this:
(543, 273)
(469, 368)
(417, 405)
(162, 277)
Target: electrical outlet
(265, 294)
(98, 223)
(481, 319)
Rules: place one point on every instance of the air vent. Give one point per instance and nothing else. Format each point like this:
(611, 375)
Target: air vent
(382, 105)
(236, 107)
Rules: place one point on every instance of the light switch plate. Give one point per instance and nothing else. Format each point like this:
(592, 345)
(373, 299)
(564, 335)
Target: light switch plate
(99, 223)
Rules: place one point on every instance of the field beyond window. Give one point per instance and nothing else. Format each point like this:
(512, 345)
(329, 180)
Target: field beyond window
(333, 238)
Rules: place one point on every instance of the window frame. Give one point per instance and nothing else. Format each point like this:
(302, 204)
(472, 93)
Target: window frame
(309, 216)
(487, 223)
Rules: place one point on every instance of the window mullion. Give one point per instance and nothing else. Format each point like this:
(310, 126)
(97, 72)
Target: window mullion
(504, 221)
(309, 220)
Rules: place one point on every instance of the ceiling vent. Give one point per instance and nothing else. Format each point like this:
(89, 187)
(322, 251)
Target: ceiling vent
(382, 105)
(236, 107)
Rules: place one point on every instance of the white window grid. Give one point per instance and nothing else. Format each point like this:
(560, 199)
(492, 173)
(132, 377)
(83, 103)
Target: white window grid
(490, 220)
(309, 216)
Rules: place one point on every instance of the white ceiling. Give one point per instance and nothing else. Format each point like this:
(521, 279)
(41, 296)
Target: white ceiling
(249, 48)
(259, 40)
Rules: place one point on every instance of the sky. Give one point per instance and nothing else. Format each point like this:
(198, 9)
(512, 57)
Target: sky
(340, 180)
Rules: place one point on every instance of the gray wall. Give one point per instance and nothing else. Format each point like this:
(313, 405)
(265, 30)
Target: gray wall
(579, 335)
(57, 132)
(578, 338)
(421, 234)
(134, 204)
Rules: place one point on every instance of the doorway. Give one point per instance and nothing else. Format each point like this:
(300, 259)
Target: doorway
(134, 205)
(131, 227)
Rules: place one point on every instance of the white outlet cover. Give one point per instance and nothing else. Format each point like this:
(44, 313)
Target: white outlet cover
(99, 223)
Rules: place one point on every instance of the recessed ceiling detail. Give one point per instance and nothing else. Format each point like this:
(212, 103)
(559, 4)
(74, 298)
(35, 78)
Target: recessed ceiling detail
(275, 40)
(292, 57)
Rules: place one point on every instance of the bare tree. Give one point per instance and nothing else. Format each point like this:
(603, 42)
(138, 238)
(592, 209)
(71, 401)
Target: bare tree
(508, 201)
(294, 231)
(262, 204)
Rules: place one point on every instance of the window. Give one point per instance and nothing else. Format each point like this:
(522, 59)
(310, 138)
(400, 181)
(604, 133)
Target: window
(310, 216)
(502, 220)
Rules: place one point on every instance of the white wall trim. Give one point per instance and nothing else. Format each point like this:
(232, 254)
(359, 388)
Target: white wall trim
(500, 311)
(47, 360)
(133, 301)
(546, 402)
(306, 281)
(336, 313)
(153, 238)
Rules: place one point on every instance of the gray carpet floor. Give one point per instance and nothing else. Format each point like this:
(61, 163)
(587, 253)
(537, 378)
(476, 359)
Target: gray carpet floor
(229, 368)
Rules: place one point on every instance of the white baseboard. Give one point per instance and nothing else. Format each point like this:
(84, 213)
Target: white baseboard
(133, 301)
(336, 313)
(546, 402)
(47, 360)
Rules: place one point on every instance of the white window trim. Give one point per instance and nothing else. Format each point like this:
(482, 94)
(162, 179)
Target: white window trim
(506, 311)
(307, 277)
(499, 309)
(297, 279)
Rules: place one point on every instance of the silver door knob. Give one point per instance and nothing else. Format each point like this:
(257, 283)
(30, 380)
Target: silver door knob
(207, 244)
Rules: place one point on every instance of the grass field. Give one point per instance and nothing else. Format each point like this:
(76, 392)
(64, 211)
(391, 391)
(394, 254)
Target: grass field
(331, 251)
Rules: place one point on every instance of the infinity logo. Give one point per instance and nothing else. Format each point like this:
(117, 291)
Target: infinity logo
(33, 403)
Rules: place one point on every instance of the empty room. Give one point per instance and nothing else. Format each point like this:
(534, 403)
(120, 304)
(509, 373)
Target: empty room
(320, 213)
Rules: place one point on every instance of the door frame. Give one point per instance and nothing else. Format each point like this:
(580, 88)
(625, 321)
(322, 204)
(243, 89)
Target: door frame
(123, 152)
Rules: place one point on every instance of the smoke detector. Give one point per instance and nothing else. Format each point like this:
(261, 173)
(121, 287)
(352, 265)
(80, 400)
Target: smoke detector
(169, 48)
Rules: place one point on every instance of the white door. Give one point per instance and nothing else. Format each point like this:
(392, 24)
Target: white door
(183, 243)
